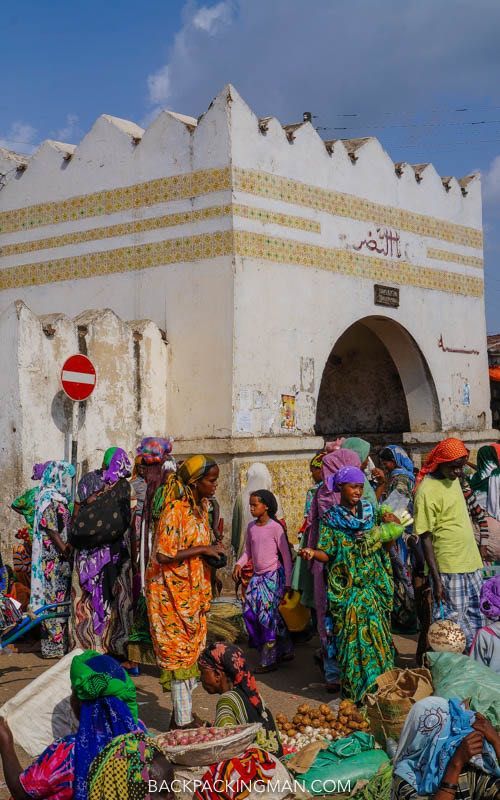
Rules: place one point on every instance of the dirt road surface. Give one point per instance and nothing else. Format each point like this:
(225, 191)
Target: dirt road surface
(282, 690)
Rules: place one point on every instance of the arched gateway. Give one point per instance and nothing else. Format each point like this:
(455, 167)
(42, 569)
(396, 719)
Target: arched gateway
(375, 381)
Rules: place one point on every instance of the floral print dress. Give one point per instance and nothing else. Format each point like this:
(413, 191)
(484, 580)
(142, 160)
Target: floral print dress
(178, 593)
(53, 577)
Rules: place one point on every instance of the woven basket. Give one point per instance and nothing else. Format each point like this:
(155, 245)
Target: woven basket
(397, 691)
(206, 753)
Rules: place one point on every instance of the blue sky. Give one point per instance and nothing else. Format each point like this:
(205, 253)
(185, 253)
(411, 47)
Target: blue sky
(423, 76)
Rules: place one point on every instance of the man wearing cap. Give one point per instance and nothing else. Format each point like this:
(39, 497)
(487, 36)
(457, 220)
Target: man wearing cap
(450, 549)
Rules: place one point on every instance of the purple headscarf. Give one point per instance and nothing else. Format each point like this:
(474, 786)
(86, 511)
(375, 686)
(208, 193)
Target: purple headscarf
(38, 470)
(490, 598)
(119, 467)
(89, 484)
(346, 475)
(325, 498)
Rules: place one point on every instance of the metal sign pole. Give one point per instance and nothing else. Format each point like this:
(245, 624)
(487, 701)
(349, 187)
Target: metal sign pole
(74, 445)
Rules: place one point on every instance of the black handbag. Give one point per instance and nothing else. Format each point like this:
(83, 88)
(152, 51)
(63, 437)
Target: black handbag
(216, 562)
(104, 521)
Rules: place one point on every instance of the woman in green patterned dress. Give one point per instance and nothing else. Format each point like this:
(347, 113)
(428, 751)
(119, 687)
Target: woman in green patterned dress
(359, 583)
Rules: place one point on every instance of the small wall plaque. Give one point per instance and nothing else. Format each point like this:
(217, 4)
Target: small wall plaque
(386, 296)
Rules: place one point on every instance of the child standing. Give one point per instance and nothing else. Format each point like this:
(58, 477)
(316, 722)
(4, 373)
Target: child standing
(267, 546)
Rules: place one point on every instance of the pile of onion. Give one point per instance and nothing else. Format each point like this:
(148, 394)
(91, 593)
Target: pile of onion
(194, 736)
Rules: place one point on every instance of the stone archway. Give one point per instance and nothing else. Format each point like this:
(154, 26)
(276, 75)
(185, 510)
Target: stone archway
(376, 381)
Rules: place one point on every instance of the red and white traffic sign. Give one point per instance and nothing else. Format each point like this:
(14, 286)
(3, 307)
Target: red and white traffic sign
(78, 377)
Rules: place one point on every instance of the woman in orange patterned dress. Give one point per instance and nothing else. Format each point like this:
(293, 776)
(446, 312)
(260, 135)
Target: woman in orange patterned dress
(178, 592)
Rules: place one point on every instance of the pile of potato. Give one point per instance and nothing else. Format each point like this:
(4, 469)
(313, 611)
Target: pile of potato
(311, 724)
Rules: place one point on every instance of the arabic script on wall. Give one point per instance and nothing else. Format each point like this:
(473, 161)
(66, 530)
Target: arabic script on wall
(384, 241)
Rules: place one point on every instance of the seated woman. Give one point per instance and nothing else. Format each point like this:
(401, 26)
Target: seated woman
(128, 768)
(225, 671)
(104, 701)
(446, 752)
(486, 645)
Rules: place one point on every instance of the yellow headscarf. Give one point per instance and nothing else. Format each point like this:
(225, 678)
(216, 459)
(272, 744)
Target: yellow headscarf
(178, 484)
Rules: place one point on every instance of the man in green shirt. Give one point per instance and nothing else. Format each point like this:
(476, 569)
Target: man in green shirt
(450, 549)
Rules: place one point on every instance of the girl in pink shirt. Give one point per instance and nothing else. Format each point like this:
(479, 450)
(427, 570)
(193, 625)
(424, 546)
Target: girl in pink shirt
(268, 548)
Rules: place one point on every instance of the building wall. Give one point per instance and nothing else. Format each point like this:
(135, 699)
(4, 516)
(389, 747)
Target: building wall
(131, 362)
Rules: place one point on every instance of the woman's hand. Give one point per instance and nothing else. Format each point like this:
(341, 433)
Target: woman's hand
(486, 729)
(307, 553)
(236, 573)
(378, 475)
(389, 517)
(214, 550)
(483, 549)
(469, 747)
(6, 736)
(66, 551)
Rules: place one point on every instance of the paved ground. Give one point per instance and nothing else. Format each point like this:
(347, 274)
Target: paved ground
(283, 690)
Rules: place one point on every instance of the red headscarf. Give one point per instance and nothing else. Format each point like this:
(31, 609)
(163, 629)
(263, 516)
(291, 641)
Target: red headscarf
(444, 452)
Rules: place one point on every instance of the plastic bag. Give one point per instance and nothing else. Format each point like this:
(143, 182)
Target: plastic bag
(455, 675)
(343, 764)
(398, 502)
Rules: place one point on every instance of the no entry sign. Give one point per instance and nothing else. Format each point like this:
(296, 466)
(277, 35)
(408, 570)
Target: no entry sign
(78, 377)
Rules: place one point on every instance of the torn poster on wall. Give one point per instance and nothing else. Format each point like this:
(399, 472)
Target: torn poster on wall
(288, 421)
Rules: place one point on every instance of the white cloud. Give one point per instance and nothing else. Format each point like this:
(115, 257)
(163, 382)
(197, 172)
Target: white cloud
(200, 23)
(491, 182)
(211, 18)
(21, 137)
(70, 130)
(159, 86)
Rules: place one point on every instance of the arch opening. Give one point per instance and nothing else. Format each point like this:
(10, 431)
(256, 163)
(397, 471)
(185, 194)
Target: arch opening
(376, 381)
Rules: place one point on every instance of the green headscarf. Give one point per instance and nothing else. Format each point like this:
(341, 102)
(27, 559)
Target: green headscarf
(487, 467)
(108, 455)
(88, 684)
(25, 505)
(360, 446)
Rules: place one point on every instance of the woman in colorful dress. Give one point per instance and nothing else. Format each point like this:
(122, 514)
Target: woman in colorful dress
(446, 752)
(302, 578)
(323, 500)
(102, 576)
(397, 475)
(485, 484)
(359, 583)
(224, 671)
(104, 701)
(127, 768)
(51, 553)
(178, 592)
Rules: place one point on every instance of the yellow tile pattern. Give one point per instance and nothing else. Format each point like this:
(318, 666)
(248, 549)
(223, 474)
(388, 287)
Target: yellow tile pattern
(111, 201)
(348, 262)
(291, 480)
(122, 259)
(122, 229)
(243, 243)
(340, 204)
(455, 258)
(287, 220)
(155, 223)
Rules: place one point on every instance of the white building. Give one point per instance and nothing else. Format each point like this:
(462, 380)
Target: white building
(253, 250)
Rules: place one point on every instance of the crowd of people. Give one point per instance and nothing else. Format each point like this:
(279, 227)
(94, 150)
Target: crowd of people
(135, 552)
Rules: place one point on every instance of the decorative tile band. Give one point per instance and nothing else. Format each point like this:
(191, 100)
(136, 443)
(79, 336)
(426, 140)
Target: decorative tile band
(455, 258)
(124, 198)
(346, 205)
(243, 243)
(347, 262)
(123, 259)
(287, 220)
(155, 223)
(122, 229)
(203, 182)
